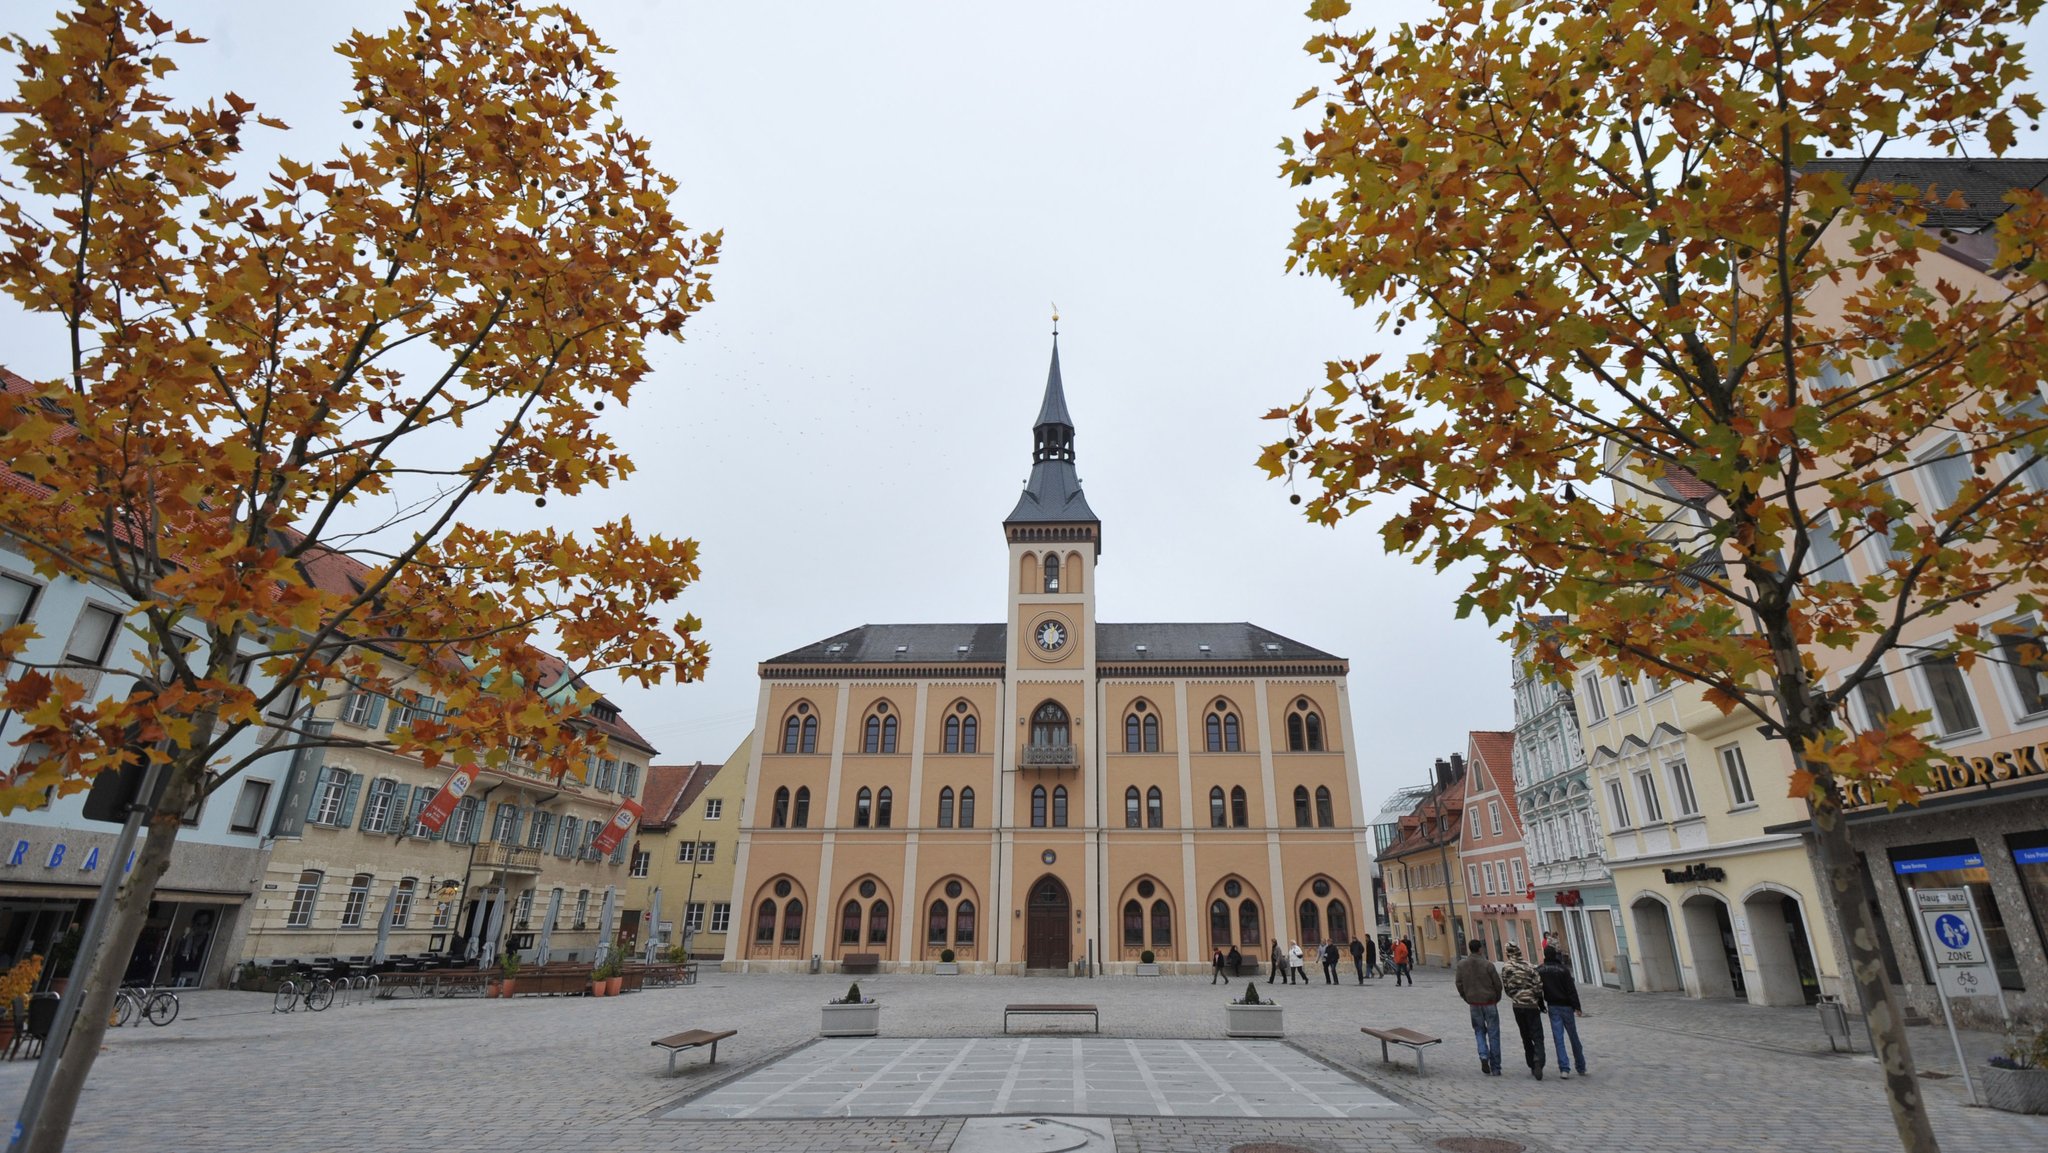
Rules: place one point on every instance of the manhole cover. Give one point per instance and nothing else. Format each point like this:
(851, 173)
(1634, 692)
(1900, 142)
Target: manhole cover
(1479, 1145)
(1269, 1147)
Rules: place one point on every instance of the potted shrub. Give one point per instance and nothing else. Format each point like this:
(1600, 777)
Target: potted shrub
(63, 951)
(1252, 1017)
(851, 1016)
(508, 967)
(16, 986)
(947, 966)
(600, 983)
(2017, 1080)
(1147, 964)
(615, 974)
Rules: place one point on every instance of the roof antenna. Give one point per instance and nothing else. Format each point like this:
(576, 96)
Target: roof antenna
(1055, 320)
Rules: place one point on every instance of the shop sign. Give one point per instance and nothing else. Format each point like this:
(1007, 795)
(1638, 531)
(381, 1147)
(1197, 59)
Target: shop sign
(1939, 865)
(1955, 773)
(59, 855)
(1694, 875)
(2030, 856)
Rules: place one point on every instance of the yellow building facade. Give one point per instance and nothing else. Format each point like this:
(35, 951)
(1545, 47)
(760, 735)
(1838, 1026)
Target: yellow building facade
(687, 844)
(1050, 791)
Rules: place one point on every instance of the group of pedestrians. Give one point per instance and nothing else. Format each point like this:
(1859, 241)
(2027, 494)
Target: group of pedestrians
(1532, 993)
(1289, 962)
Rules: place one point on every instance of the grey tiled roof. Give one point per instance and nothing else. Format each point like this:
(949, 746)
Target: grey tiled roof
(1054, 410)
(1053, 496)
(1983, 183)
(983, 644)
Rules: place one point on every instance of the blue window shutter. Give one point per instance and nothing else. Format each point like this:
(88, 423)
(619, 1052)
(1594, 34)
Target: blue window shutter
(512, 832)
(400, 796)
(348, 800)
(376, 711)
(364, 824)
(319, 786)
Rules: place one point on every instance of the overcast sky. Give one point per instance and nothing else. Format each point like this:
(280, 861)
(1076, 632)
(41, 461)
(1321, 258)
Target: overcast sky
(904, 191)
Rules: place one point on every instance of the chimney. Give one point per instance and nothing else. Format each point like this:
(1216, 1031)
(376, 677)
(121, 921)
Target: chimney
(1443, 774)
(1458, 764)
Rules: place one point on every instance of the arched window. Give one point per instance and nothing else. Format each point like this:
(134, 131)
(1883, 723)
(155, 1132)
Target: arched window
(878, 923)
(1059, 806)
(871, 741)
(1315, 733)
(952, 734)
(888, 734)
(1151, 734)
(1155, 809)
(1049, 727)
(1219, 924)
(778, 817)
(1311, 924)
(1248, 922)
(1133, 738)
(1162, 924)
(1230, 741)
(966, 808)
(1302, 819)
(968, 736)
(963, 923)
(885, 802)
(1296, 742)
(946, 807)
(1214, 730)
(849, 924)
(1324, 816)
(800, 816)
(792, 730)
(863, 807)
(1218, 818)
(935, 928)
(764, 924)
(1240, 815)
(1141, 729)
(793, 922)
(1340, 923)
(1038, 806)
(1132, 818)
(810, 735)
(1134, 923)
(1052, 572)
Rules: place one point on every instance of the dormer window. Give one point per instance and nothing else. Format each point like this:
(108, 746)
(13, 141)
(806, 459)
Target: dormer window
(605, 711)
(1052, 572)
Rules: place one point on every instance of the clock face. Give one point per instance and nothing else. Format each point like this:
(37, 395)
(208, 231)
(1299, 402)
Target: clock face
(1051, 635)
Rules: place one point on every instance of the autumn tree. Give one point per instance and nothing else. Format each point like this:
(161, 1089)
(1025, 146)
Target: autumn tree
(329, 360)
(1647, 251)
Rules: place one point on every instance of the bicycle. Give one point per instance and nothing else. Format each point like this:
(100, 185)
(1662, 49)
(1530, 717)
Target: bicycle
(138, 1003)
(316, 994)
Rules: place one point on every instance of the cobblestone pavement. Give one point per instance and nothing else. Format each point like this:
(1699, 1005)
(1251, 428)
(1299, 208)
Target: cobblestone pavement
(1669, 1075)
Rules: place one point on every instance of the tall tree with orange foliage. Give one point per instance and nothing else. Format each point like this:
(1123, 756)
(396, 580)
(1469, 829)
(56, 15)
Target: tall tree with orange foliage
(1643, 244)
(261, 362)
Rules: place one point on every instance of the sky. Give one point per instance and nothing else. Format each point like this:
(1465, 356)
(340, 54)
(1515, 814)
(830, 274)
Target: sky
(905, 190)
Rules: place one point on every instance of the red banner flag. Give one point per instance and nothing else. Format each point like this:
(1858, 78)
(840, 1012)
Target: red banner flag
(437, 812)
(615, 830)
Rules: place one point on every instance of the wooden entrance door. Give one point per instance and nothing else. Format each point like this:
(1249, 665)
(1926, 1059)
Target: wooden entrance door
(1048, 939)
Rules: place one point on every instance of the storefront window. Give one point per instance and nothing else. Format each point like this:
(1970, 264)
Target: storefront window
(2030, 861)
(1957, 865)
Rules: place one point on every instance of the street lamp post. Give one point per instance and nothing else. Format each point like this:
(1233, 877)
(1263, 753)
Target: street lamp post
(687, 894)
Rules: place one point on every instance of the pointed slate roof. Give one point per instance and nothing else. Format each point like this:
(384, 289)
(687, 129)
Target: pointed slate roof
(1053, 494)
(1054, 410)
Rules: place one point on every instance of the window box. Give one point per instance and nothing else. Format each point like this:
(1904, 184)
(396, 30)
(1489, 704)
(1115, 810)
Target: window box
(1261, 1020)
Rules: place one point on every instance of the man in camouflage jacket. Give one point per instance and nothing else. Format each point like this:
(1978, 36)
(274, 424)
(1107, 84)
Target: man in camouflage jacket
(1524, 991)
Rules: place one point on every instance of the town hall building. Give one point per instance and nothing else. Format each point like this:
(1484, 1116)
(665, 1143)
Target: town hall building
(1049, 791)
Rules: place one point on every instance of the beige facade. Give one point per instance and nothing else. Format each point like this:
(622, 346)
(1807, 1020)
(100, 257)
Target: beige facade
(686, 850)
(1427, 902)
(1051, 790)
(512, 869)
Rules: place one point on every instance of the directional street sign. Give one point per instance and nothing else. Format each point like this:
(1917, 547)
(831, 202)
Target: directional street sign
(1950, 925)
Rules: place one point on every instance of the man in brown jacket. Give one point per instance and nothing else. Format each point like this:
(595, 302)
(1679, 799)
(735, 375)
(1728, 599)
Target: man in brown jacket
(1479, 985)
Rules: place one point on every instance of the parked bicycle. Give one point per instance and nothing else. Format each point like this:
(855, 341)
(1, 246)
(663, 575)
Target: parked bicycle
(315, 993)
(138, 1003)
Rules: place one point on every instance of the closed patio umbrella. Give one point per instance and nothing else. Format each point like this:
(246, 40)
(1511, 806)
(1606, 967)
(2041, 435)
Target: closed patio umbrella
(547, 927)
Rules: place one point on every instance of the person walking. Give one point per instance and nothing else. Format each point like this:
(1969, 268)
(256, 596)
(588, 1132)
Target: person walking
(1479, 985)
(1358, 958)
(1329, 958)
(1401, 972)
(1372, 957)
(1236, 962)
(1561, 994)
(1295, 969)
(1524, 991)
(1216, 967)
(1279, 969)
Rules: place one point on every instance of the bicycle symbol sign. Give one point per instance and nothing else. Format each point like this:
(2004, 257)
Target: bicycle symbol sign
(1952, 931)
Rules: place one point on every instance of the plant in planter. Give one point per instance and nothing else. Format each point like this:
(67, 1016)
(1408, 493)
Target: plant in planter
(1148, 964)
(15, 987)
(508, 967)
(2017, 1080)
(851, 1016)
(946, 965)
(1251, 1017)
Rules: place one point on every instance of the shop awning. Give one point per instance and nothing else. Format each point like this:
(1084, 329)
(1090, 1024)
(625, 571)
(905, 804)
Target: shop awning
(75, 892)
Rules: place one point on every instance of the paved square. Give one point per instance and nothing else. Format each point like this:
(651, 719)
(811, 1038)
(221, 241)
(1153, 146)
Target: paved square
(989, 1076)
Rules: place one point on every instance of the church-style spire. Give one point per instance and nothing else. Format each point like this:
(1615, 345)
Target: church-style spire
(1053, 494)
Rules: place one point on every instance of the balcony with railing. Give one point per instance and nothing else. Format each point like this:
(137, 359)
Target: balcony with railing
(1049, 756)
(510, 858)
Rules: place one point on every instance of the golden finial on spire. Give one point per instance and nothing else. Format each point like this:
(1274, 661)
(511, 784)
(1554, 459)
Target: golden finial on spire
(1055, 318)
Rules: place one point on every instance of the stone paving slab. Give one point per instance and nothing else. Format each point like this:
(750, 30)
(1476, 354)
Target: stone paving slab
(1099, 1076)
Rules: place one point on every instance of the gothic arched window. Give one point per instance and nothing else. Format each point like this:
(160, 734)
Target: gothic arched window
(863, 807)
(1155, 809)
(1219, 924)
(1132, 818)
(1134, 923)
(946, 807)
(1162, 924)
(800, 815)
(778, 817)
(1324, 816)
(1302, 819)
(1049, 727)
(884, 803)
(1218, 817)
(1052, 572)
(1038, 806)
(966, 808)
(1311, 924)
(1240, 815)
(1059, 806)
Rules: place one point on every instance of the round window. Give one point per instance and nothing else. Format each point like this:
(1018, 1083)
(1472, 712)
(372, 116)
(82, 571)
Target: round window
(801, 709)
(953, 889)
(782, 888)
(1221, 703)
(883, 707)
(1145, 888)
(1139, 707)
(1049, 857)
(1321, 888)
(1232, 888)
(961, 707)
(867, 888)
(1302, 704)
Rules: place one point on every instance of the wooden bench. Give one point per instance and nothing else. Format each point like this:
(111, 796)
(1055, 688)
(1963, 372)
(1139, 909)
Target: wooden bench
(691, 1040)
(1051, 1011)
(1415, 1042)
(861, 963)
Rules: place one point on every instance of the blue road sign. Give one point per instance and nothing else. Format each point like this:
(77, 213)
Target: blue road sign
(1952, 931)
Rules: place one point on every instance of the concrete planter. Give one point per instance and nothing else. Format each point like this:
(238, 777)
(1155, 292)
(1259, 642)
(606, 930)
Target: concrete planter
(851, 1020)
(2014, 1090)
(947, 968)
(1252, 1021)
(1145, 970)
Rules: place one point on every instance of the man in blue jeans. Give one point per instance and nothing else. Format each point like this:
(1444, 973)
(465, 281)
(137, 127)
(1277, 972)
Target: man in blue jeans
(1561, 993)
(1479, 984)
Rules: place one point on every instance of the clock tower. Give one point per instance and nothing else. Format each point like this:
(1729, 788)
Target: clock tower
(1054, 540)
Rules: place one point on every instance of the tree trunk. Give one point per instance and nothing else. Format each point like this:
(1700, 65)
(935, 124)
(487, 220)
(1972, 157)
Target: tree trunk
(1841, 872)
(99, 981)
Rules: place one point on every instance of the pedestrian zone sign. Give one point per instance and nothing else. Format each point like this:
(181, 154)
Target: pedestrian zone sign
(1950, 925)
